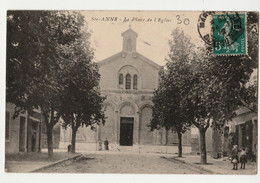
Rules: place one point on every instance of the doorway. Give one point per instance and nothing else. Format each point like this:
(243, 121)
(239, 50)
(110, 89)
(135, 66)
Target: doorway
(22, 135)
(34, 136)
(126, 131)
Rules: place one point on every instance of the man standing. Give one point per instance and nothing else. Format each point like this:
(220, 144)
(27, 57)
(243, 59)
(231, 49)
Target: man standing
(106, 144)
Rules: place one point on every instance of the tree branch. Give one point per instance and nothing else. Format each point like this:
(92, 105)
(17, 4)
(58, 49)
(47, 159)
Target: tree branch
(207, 124)
(247, 105)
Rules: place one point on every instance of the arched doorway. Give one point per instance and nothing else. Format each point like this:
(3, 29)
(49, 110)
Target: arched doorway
(146, 136)
(127, 124)
(109, 129)
(126, 131)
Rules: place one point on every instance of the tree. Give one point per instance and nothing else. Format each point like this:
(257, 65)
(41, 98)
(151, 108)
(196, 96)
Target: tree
(168, 110)
(220, 87)
(248, 96)
(34, 42)
(210, 88)
(81, 101)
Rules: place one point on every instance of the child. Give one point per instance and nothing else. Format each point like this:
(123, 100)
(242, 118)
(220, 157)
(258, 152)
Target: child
(235, 157)
(243, 158)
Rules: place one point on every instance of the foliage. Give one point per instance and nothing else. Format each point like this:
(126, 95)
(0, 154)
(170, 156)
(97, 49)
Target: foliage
(33, 56)
(36, 42)
(81, 100)
(168, 111)
(200, 88)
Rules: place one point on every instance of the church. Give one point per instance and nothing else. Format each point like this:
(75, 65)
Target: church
(128, 80)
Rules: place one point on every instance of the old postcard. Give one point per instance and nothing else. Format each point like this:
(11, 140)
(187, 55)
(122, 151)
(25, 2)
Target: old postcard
(132, 92)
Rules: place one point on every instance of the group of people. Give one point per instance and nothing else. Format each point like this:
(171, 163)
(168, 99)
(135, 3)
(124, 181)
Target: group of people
(235, 157)
(106, 143)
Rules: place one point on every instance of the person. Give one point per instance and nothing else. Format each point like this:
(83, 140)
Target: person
(243, 158)
(99, 145)
(34, 141)
(234, 158)
(69, 148)
(106, 144)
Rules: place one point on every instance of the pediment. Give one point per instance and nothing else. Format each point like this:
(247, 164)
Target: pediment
(139, 57)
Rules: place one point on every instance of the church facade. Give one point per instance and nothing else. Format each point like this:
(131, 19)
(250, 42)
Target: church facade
(128, 80)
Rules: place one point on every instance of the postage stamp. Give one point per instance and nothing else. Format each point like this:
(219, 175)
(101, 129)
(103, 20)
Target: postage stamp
(229, 34)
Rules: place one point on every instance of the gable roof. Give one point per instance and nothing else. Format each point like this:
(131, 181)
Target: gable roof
(129, 31)
(138, 55)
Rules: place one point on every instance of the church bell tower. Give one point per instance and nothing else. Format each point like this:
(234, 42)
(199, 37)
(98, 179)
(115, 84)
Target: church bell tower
(129, 41)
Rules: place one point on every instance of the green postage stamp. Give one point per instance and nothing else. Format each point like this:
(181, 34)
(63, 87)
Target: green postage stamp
(229, 34)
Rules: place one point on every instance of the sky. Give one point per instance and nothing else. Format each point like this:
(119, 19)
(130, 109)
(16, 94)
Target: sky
(153, 28)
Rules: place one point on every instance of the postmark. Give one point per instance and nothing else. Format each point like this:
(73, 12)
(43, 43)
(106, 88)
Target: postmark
(224, 31)
(229, 34)
(204, 26)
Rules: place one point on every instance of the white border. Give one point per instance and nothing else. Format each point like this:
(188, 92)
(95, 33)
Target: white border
(233, 5)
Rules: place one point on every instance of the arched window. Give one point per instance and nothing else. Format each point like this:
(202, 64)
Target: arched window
(135, 82)
(129, 45)
(128, 81)
(120, 79)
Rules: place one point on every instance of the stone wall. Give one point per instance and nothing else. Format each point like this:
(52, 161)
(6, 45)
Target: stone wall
(24, 131)
(12, 142)
(147, 74)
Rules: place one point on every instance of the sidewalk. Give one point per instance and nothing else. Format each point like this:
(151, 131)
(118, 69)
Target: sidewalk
(217, 166)
(28, 162)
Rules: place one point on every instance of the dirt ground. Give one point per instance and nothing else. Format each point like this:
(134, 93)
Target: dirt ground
(123, 164)
(26, 162)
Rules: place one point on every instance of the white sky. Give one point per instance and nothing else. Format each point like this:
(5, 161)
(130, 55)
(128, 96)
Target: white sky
(152, 39)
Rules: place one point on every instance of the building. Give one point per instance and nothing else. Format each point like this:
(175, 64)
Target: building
(241, 131)
(128, 80)
(23, 133)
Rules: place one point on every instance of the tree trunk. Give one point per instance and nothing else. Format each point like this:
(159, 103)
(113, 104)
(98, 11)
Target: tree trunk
(203, 153)
(73, 139)
(180, 144)
(49, 125)
(49, 141)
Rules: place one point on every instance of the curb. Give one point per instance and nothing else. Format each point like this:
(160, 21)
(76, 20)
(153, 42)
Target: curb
(55, 163)
(190, 164)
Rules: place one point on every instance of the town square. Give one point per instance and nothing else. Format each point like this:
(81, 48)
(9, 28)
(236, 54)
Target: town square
(131, 92)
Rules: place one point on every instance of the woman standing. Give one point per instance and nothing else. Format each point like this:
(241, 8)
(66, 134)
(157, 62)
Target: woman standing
(234, 159)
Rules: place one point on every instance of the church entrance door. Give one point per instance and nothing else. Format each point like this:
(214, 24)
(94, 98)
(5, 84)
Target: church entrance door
(126, 131)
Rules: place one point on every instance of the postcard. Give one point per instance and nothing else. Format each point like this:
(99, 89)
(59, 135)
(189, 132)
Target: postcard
(131, 92)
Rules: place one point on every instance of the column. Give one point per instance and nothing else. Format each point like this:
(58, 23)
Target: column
(239, 136)
(138, 127)
(117, 121)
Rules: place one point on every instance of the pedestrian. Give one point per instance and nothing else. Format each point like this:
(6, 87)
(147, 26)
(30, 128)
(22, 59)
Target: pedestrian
(106, 144)
(99, 145)
(243, 158)
(69, 148)
(234, 158)
(34, 141)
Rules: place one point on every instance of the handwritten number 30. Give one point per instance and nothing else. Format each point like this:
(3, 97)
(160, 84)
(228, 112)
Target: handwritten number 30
(186, 21)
